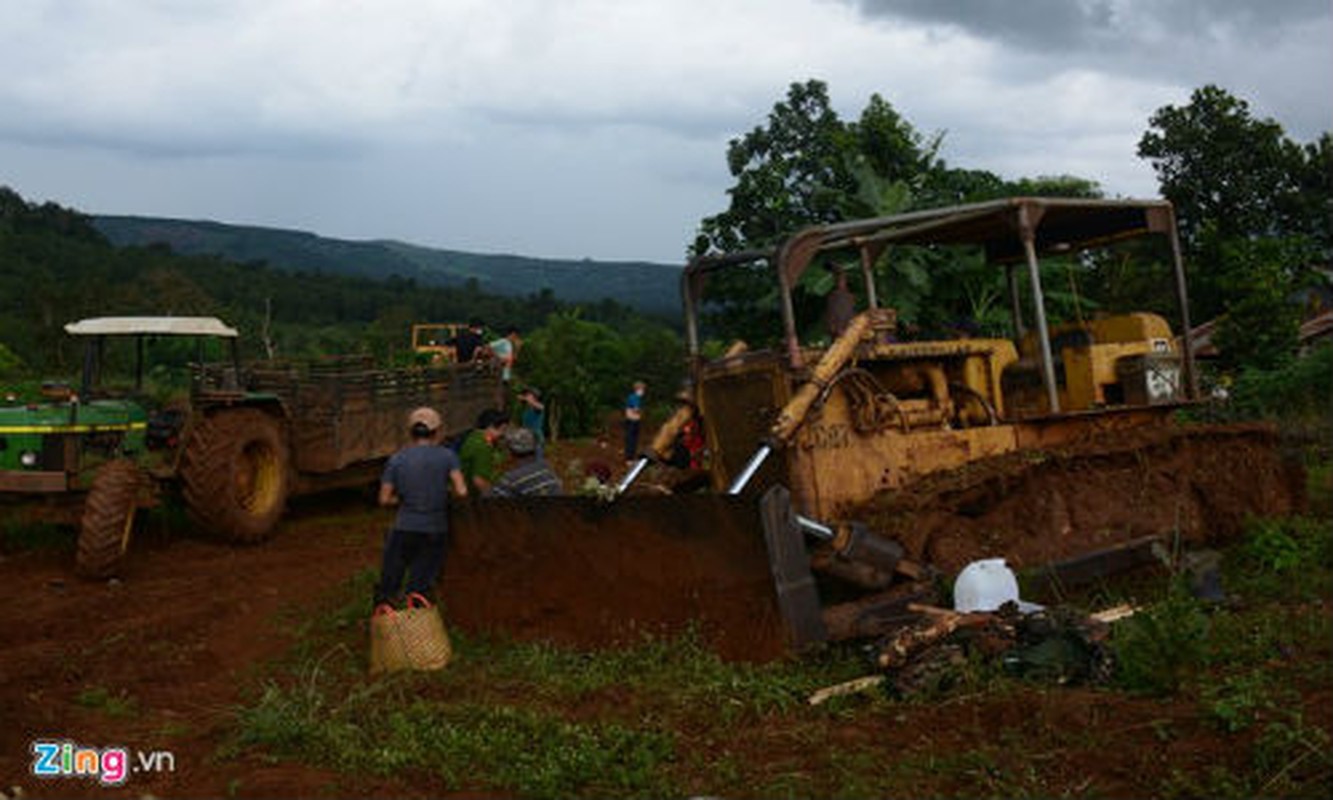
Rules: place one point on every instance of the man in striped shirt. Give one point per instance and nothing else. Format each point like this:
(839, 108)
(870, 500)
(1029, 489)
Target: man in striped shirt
(530, 475)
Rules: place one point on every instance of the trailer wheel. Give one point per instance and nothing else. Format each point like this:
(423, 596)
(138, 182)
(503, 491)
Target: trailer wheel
(235, 474)
(108, 518)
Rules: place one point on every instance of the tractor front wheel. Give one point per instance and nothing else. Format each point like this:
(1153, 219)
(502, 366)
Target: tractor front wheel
(108, 517)
(235, 474)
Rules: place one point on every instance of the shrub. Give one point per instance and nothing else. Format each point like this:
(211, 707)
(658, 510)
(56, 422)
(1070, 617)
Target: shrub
(1156, 649)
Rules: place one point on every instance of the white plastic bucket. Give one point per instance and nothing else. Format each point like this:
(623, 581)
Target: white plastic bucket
(986, 585)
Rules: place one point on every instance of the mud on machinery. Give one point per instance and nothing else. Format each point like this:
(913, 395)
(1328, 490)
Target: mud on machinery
(812, 435)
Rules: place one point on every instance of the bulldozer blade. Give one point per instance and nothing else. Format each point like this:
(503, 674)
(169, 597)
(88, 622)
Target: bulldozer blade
(585, 573)
(798, 596)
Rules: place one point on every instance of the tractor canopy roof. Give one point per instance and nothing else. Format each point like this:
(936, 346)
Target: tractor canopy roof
(158, 326)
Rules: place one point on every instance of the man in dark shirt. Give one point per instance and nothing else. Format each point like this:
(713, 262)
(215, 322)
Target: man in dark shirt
(469, 340)
(530, 475)
(417, 480)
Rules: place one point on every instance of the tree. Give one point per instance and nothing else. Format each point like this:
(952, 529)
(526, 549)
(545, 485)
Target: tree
(1261, 326)
(805, 167)
(1253, 209)
(1221, 167)
(580, 367)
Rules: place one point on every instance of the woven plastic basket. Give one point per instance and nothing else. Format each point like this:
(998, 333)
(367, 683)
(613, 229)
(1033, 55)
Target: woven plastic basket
(413, 638)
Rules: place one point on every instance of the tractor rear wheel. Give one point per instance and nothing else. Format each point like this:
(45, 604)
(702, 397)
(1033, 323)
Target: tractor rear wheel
(108, 517)
(235, 474)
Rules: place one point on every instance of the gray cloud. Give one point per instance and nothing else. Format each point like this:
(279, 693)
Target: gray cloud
(589, 127)
(1064, 25)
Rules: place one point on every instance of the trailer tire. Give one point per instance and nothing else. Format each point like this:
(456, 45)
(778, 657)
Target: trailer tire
(108, 519)
(235, 474)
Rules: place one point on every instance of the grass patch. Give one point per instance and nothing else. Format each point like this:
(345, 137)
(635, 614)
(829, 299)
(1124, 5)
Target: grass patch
(376, 728)
(113, 704)
(667, 717)
(20, 536)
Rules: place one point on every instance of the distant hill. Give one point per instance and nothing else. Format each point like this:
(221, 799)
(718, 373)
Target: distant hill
(648, 287)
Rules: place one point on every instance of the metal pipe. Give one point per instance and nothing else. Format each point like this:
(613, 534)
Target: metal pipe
(815, 528)
(868, 275)
(1027, 228)
(756, 461)
(632, 475)
(688, 300)
(1015, 302)
(1182, 299)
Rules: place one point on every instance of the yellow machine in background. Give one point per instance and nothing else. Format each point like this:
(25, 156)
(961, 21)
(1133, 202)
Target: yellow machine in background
(1122, 360)
(433, 339)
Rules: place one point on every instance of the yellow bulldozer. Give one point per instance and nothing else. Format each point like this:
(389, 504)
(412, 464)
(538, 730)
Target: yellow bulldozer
(852, 478)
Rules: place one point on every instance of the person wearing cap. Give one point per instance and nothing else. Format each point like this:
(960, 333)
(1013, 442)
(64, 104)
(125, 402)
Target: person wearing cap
(531, 475)
(416, 479)
(533, 416)
(480, 453)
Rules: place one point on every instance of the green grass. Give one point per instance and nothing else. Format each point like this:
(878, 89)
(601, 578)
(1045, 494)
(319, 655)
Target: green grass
(18, 536)
(669, 718)
(112, 704)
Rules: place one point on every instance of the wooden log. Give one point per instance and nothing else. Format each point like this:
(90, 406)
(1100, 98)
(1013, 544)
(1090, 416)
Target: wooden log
(849, 687)
(877, 614)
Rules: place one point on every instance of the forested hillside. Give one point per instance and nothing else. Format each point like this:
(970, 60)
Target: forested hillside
(55, 266)
(647, 287)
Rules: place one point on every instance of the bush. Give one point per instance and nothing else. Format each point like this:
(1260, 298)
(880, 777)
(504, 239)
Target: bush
(1300, 390)
(1158, 648)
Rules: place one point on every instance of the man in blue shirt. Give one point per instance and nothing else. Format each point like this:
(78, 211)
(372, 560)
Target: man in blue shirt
(417, 480)
(533, 416)
(633, 416)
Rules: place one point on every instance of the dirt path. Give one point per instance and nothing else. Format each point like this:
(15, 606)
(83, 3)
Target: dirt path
(155, 662)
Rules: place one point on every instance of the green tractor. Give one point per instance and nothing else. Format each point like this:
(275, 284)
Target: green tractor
(236, 441)
(110, 444)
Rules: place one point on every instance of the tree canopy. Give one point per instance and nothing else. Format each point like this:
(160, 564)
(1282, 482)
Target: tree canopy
(1254, 211)
(807, 166)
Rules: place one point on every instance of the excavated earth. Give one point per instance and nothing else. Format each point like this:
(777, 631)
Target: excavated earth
(1193, 486)
(161, 657)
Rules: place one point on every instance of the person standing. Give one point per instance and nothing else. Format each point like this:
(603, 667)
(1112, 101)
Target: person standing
(505, 351)
(530, 475)
(633, 418)
(533, 416)
(469, 341)
(416, 479)
(479, 454)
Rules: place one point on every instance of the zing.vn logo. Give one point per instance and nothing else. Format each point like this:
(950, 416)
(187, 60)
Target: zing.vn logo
(111, 766)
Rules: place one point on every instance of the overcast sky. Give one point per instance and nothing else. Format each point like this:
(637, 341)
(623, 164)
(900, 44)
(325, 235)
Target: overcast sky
(590, 128)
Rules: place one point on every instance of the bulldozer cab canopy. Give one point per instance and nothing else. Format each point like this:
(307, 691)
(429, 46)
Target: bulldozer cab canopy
(1010, 231)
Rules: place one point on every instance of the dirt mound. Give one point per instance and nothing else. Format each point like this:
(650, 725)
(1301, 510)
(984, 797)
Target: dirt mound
(583, 572)
(1034, 508)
